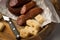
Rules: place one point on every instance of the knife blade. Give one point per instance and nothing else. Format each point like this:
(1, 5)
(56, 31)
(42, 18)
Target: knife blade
(12, 26)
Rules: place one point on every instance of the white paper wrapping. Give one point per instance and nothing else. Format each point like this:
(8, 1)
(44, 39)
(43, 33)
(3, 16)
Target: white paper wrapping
(49, 15)
(5, 11)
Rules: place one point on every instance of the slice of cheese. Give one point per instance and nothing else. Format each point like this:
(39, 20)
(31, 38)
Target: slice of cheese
(39, 18)
(24, 33)
(33, 23)
(31, 30)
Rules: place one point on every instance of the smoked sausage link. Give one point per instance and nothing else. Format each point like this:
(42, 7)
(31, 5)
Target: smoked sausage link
(30, 14)
(21, 20)
(13, 3)
(27, 7)
(15, 11)
(16, 3)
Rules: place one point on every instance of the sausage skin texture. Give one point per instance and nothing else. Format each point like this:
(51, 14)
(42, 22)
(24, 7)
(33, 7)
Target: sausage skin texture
(21, 20)
(30, 14)
(13, 3)
(16, 3)
(15, 11)
(27, 7)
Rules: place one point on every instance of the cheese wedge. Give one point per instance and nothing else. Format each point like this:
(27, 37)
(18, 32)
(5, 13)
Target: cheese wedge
(39, 18)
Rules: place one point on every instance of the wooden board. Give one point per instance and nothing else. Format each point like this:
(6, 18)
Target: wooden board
(7, 34)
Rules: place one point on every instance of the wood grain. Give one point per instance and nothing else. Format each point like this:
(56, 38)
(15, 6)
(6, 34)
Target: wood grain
(7, 34)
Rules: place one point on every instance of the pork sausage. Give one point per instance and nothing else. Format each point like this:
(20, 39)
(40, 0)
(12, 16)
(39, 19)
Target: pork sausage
(15, 11)
(30, 14)
(27, 7)
(13, 3)
(16, 3)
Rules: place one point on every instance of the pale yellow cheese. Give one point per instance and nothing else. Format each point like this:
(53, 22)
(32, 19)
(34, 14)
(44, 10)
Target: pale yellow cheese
(39, 18)
(31, 30)
(24, 33)
(33, 23)
(33, 26)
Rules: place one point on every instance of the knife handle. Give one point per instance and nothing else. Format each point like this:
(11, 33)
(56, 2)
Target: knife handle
(14, 30)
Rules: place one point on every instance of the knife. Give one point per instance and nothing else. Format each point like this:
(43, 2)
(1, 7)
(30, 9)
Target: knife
(12, 26)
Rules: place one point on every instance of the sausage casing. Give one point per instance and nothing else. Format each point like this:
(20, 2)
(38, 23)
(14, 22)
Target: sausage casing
(27, 7)
(15, 11)
(30, 14)
(16, 3)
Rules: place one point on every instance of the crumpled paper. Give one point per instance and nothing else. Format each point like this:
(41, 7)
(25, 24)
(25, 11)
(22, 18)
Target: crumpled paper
(49, 13)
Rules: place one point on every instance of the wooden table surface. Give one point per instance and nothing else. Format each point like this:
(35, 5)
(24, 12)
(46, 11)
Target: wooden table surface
(7, 34)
